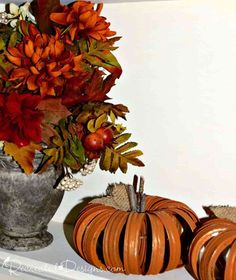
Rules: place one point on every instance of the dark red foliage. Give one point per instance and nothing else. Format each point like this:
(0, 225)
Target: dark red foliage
(41, 10)
(92, 88)
(19, 119)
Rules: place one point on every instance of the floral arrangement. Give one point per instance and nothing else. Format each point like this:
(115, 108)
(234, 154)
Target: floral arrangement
(56, 69)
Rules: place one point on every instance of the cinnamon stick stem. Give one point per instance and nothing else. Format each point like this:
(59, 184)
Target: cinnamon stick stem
(135, 183)
(136, 196)
(132, 198)
(143, 203)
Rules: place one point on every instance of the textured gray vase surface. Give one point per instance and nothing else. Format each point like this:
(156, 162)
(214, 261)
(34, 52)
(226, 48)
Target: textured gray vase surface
(27, 204)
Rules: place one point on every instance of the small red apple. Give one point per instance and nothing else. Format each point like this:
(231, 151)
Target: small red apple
(93, 142)
(106, 134)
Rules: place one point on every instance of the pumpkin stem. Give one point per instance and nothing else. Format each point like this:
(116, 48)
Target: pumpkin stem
(137, 198)
(132, 198)
(141, 196)
(135, 182)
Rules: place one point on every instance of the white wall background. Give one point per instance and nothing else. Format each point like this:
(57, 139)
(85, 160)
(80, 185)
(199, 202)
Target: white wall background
(179, 81)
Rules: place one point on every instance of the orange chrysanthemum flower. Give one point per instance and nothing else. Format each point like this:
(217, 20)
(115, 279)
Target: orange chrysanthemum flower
(43, 63)
(84, 21)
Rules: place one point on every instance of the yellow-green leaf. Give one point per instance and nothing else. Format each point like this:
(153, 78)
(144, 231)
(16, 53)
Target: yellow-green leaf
(91, 126)
(126, 147)
(112, 159)
(122, 139)
(13, 39)
(114, 163)
(133, 154)
(100, 120)
(112, 117)
(123, 165)
(105, 162)
(95, 124)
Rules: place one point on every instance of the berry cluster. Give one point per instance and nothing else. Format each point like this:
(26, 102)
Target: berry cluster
(96, 141)
(69, 183)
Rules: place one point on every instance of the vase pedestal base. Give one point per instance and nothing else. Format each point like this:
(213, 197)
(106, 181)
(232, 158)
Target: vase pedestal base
(23, 243)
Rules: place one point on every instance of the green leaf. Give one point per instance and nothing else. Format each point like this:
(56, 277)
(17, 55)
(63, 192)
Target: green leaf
(53, 155)
(13, 39)
(70, 161)
(77, 149)
(99, 54)
(65, 148)
(2, 44)
(83, 45)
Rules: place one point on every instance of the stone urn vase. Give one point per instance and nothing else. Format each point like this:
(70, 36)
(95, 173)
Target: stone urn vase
(27, 204)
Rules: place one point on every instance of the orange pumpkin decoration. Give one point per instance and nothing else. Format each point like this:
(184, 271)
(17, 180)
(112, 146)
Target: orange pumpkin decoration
(149, 238)
(212, 254)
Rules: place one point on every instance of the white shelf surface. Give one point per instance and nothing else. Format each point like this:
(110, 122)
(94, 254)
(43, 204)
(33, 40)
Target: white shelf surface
(59, 261)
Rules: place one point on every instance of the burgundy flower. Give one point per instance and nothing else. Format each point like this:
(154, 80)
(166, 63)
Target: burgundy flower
(19, 119)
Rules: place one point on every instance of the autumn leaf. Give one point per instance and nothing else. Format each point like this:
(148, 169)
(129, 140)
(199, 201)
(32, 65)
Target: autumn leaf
(65, 149)
(118, 110)
(53, 110)
(98, 88)
(121, 139)
(7, 38)
(47, 132)
(92, 87)
(41, 10)
(99, 54)
(120, 155)
(95, 124)
(23, 156)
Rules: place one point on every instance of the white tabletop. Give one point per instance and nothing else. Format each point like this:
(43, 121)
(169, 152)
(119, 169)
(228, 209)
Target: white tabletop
(60, 261)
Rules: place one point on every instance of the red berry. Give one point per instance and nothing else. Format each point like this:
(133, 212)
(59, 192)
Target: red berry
(93, 142)
(93, 154)
(106, 134)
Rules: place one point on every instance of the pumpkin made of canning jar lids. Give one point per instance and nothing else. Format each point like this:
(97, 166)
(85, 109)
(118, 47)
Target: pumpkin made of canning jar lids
(133, 233)
(212, 254)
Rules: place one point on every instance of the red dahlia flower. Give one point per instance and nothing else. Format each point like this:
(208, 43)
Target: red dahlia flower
(43, 63)
(19, 119)
(84, 21)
